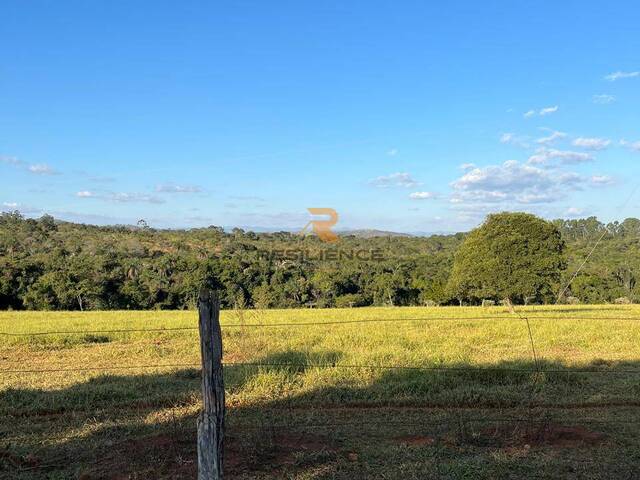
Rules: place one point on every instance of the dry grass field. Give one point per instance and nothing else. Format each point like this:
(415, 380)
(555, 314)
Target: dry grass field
(393, 393)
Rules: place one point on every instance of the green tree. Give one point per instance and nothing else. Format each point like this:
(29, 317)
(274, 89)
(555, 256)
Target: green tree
(515, 256)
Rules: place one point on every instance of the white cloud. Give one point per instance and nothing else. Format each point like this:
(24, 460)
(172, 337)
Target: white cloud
(513, 182)
(544, 155)
(548, 140)
(11, 161)
(121, 197)
(602, 180)
(612, 77)
(38, 168)
(41, 169)
(394, 180)
(467, 166)
(85, 194)
(513, 139)
(603, 99)
(548, 110)
(506, 137)
(635, 146)
(542, 112)
(10, 204)
(101, 179)
(574, 212)
(591, 143)
(171, 188)
(135, 197)
(422, 195)
(393, 152)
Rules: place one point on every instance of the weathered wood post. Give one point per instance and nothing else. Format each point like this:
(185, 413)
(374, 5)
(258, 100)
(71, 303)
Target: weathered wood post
(211, 419)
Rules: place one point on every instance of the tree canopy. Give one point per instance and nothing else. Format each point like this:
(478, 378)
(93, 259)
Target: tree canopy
(47, 264)
(514, 256)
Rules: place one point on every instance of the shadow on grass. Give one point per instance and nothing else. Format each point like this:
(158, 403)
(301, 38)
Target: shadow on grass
(144, 424)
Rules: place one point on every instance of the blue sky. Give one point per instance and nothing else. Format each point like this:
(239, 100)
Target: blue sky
(407, 116)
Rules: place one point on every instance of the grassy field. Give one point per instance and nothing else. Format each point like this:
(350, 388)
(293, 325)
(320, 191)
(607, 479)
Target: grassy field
(386, 393)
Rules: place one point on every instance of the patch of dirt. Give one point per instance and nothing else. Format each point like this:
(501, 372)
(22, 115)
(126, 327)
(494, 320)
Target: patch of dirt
(551, 435)
(562, 436)
(415, 440)
(170, 457)
(159, 456)
(304, 442)
(276, 452)
(9, 459)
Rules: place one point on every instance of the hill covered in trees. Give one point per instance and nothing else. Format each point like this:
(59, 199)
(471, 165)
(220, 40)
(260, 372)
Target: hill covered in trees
(45, 264)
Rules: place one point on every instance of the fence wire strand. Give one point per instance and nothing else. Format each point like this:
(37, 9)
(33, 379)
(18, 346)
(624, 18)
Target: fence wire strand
(303, 324)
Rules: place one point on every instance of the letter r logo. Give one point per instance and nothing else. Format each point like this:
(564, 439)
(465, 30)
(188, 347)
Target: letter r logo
(322, 228)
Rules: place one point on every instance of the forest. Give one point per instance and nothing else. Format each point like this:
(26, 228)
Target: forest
(47, 264)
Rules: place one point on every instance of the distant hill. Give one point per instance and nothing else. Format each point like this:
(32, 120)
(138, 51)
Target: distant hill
(371, 233)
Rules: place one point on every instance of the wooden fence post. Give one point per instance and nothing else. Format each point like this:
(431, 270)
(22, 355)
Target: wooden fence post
(211, 419)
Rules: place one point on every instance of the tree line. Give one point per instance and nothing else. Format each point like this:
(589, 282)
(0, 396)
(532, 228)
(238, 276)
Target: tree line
(52, 265)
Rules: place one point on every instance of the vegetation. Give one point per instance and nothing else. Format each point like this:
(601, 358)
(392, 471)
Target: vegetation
(332, 420)
(515, 256)
(49, 265)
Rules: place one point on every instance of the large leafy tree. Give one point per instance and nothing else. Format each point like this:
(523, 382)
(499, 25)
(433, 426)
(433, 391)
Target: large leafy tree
(514, 256)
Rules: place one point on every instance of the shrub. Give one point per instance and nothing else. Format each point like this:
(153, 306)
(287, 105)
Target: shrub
(622, 301)
(571, 301)
(350, 300)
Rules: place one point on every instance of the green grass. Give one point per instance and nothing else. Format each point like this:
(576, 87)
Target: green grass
(479, 406)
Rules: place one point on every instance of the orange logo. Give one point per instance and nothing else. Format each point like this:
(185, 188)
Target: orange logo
(322, 228)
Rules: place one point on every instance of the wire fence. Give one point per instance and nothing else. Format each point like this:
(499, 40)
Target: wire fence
(365, 425)
(336, 366)
(319, 324)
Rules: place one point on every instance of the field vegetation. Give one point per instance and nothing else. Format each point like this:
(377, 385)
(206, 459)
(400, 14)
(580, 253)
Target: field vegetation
(413, 392)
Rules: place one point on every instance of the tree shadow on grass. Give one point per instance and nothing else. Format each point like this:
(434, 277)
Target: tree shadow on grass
(144, 424)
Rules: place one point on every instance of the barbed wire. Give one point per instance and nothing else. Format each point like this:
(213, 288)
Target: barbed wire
(329, 365)
(301, 324)
(369, 422)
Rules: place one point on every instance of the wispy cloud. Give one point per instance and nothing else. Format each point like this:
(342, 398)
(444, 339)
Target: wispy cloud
(101, 179)
(403, 180)
(85, 194)
(12, 161)
(513, 139)
(422, 195)
(612, 77)
(551, 138)
(35, 168)
(41, 169)
(635, 146)
(548, 110)
(120, 197)
(602, 180)
(542, 112)
(10, 204)
(574, 212)
(603, 99)
(591, 143)
(172, 188)
(467, 166)
(123, 197)
(545, 155)
(393, 152)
